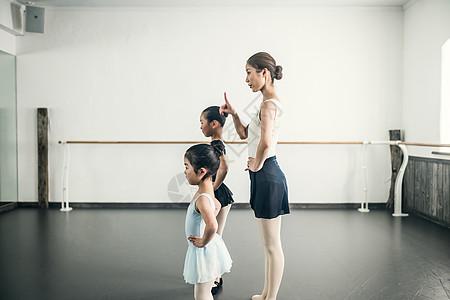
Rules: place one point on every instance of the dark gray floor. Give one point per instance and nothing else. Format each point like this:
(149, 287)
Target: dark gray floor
(139, 254)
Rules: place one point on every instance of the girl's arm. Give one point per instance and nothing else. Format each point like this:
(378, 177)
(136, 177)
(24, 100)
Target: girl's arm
(218, 207)
(203, 206)
(221, 172)
(268, 111)
(241, 130)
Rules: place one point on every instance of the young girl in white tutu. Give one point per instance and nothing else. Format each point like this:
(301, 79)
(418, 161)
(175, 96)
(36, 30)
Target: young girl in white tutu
(207, 256)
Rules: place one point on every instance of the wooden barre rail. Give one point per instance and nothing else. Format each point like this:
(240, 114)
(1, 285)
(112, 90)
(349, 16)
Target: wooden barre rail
(192, 142)
(238, 142)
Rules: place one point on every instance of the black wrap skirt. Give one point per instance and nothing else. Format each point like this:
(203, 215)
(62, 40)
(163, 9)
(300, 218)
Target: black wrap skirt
(268, 191)
(224, 195)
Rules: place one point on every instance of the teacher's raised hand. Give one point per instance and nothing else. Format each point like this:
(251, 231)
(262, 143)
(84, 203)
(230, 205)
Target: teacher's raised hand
(226, 108)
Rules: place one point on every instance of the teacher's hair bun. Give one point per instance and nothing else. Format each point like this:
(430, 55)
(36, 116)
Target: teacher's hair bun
(278, 72)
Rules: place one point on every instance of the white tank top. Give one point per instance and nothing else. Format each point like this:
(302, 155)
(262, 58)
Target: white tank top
(254, 130)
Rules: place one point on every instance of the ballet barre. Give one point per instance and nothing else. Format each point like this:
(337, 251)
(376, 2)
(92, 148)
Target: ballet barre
(364, 203)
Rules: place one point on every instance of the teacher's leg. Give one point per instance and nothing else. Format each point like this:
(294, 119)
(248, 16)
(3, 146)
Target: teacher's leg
(270, 230)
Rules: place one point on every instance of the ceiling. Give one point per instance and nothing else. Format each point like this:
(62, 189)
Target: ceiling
(218, 3)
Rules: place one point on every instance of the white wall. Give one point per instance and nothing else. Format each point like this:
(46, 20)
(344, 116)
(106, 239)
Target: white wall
(445, 94)
(426, 29)
(7, 42)
(146, 74)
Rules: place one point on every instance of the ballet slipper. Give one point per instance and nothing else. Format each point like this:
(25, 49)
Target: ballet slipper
(258, 297)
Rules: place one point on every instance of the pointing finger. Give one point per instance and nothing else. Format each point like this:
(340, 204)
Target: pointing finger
(225, 96)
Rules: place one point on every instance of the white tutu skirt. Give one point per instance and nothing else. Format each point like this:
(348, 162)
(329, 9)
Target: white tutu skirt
(205, 264)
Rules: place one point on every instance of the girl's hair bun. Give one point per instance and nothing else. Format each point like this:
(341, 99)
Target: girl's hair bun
(219, 148)
(278, 72)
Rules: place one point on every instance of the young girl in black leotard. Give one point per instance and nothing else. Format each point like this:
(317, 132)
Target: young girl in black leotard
(212, 123)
